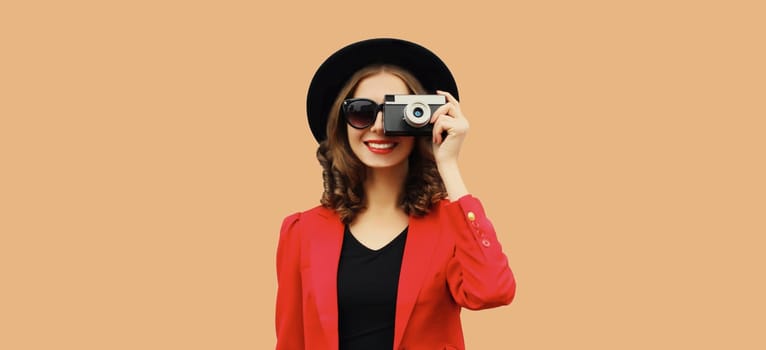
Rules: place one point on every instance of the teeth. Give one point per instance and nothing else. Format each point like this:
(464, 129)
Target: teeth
(381, 145)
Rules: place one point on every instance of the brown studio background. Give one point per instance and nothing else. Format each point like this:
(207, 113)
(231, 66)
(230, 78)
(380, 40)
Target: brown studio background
(149, 151)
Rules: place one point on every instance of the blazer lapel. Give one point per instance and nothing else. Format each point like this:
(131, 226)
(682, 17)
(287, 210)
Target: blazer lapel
(421, 242)
(325, 255)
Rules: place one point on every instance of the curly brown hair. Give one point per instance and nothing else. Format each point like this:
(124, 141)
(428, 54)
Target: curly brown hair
(344, 174)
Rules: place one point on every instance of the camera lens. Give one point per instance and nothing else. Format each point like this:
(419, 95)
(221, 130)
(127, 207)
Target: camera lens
(417, 114)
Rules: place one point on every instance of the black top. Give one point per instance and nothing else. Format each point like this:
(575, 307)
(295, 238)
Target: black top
(367, 284)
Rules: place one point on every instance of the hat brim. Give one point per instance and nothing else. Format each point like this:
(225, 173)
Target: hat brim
(337, 69)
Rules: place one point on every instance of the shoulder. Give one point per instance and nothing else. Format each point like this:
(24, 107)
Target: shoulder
(308, 218)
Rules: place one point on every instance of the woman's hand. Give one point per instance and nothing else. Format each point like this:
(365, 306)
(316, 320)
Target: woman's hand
(448, 118)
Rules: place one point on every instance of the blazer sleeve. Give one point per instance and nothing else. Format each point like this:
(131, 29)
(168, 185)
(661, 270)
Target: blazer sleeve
(289, 308)
(478, 274)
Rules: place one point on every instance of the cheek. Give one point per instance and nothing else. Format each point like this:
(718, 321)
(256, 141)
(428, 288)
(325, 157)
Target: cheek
(353, 134)
(354, 137)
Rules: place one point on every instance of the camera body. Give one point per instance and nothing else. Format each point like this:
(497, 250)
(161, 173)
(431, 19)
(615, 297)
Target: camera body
(410, 114)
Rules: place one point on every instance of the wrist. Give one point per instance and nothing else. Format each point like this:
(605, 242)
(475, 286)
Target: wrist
(447, 165)
(453, 181)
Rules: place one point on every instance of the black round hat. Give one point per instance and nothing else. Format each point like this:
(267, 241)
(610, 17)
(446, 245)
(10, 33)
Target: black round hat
(337, 69)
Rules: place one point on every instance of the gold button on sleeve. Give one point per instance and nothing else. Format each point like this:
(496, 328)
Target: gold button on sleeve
(471, 216)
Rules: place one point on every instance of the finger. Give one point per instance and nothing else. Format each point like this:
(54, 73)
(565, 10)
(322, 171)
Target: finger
(446, 109)
(437, 131)
(449, 97)
(441, 126)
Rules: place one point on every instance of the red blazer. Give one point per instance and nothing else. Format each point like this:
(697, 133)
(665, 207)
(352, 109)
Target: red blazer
(452, 259)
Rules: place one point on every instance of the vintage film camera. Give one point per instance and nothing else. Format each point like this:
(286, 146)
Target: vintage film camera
(410, 114)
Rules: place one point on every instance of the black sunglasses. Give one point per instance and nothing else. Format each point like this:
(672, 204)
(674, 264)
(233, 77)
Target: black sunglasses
(360, 113)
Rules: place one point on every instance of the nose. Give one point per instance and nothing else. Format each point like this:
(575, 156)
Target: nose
(377, 126)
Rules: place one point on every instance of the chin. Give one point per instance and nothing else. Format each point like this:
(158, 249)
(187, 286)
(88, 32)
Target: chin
(377, 163)
(381, 165)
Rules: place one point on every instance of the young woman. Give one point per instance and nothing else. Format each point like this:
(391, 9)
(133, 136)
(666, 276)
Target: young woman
(398, 245)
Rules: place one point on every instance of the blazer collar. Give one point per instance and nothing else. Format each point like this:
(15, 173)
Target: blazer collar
(324, 256)
(421, 242)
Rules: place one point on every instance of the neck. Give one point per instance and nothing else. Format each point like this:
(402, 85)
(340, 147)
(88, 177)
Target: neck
(384, 186)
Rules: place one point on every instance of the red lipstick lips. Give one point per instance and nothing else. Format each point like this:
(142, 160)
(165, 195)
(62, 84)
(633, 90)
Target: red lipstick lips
(380, 146)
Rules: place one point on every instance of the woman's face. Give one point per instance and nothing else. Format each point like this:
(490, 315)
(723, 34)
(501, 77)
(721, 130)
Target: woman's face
(370, 145)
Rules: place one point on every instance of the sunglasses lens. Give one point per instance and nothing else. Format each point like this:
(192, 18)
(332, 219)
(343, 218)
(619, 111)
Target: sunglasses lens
(361, 113)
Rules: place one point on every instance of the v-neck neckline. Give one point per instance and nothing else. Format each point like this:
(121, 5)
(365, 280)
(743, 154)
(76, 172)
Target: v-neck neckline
(384, 247)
